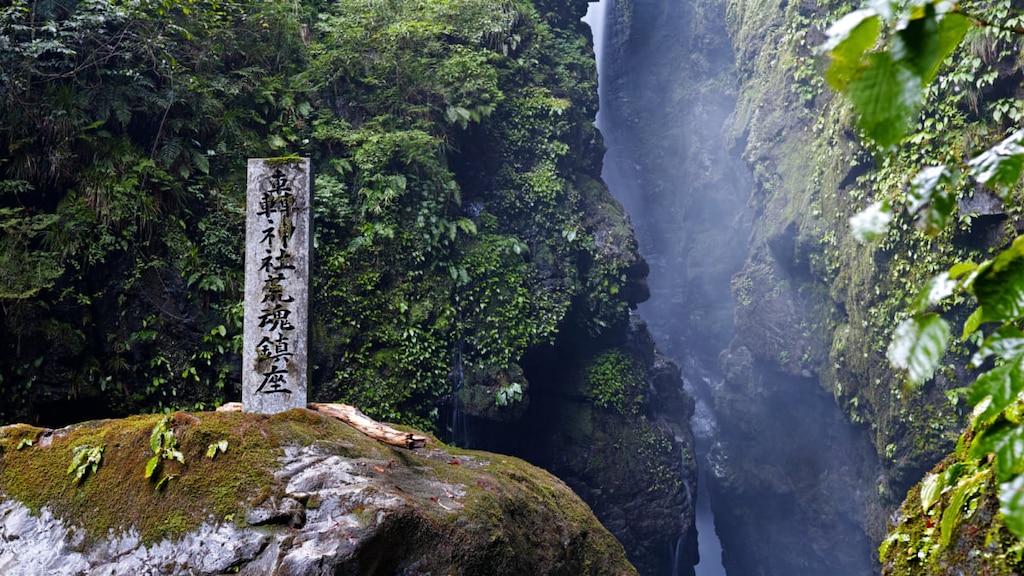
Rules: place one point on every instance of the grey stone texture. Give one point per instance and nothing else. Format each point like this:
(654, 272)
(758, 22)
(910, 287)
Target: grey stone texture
(278, 243)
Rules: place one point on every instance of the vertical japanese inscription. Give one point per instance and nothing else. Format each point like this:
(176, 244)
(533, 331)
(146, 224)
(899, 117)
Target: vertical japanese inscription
(278, 244)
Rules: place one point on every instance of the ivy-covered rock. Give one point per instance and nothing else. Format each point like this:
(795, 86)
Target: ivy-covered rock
(295, 493)
(460, 220)
(951, 523)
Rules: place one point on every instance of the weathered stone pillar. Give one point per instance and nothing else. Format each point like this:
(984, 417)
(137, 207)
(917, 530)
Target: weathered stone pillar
(278, 242)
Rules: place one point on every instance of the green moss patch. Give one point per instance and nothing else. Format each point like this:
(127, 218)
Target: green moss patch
(118, 496)
(456, 511)
(950, 524)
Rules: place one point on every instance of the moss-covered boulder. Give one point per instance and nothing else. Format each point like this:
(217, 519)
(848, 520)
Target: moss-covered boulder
(295, 493)
(949, 524)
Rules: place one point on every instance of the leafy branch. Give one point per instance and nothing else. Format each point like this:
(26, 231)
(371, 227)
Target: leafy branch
(883, 57)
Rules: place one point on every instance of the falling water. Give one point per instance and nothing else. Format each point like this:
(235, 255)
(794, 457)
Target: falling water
(459, 435)
(709, 546)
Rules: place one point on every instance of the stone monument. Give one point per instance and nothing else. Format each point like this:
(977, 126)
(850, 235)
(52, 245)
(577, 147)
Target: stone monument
(278, 242)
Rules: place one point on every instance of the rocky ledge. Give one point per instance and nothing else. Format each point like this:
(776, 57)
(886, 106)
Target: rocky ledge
(295, 493)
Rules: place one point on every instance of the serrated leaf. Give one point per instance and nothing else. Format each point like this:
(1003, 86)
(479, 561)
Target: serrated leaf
(886, 96)
(953, 26)
(1007, 342)
(918, 345)
(928, 38)
(871, 223)
(937, 289)
(1006, 441)
(846, 42)
(917, 42)
(999, 285)
(1000, 166)
(1011, 504)
(1001, 384)
(932, 198)
(931, 490)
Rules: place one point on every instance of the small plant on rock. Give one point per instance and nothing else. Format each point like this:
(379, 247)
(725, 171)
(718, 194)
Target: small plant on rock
(165, 447)
(86, 460)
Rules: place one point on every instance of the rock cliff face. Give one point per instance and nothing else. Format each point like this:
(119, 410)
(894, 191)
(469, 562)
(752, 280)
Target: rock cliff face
(806, 404)
(473, 275)
(296, 493)
(709, 150)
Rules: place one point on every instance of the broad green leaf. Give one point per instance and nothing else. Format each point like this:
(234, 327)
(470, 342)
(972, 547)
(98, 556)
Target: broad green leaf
(953, 26)
(951, 515)
(931, 490)
(932, 198)
(972, 323)
(1006, 342)
(156, 436)
(1006, 441)
(961, 268)
(212, 449)
(916, 44)
(918, 345)
(1000, 166)
(871, 223)
(151, 465)
(924, 184)
(999, 285)
(886, 96)
(1011, 504)
(937, 289)
(846, 42)
(928, 38)
(1001, 384)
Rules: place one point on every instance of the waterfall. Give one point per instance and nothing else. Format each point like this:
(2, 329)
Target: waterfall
(709, 547)
(457, 421)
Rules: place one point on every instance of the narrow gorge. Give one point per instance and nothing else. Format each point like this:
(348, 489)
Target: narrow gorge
(610, 239)
(741, 170)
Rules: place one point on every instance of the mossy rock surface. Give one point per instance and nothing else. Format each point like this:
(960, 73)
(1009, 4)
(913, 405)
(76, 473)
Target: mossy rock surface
(950, 523)
(295, 493)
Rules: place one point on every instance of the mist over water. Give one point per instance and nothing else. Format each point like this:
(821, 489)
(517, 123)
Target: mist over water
(788, 478)
(621, 183)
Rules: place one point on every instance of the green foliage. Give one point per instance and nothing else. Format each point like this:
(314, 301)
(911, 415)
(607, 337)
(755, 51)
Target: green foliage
(616, 382)
(447, 138)
(886, 87)
(898, 75)
(117, 206)
(217, 447)
(164, 445)
(508, 394)
(449, 187)
(918, 345)
(85, 460)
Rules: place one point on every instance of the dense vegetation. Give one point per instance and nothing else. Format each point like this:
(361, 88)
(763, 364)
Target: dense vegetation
(456, 196)
(887, 87)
